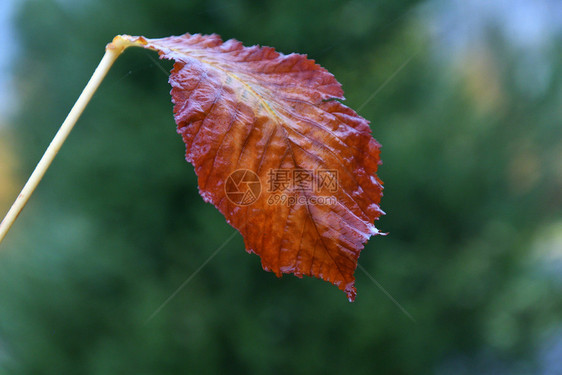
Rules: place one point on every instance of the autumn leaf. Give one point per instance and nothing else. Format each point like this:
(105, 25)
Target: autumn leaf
(288, 165)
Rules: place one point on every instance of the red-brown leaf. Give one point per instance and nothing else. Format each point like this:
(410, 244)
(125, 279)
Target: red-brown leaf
(273, 117)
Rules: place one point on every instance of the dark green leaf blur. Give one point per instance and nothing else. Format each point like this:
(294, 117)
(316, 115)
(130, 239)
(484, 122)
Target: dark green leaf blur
(466, 100)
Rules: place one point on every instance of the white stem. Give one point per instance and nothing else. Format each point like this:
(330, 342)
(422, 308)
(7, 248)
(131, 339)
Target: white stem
(111, 53)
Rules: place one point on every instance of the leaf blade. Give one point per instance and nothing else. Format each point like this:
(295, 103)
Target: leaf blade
(257, 110)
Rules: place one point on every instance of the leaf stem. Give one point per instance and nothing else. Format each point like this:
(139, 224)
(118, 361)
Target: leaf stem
(112, 52)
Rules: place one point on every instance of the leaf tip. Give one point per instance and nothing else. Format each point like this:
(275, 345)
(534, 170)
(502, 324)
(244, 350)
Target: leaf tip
(351, 293)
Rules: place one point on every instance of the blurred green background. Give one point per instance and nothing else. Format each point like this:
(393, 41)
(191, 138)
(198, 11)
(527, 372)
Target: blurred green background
(466, 99)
